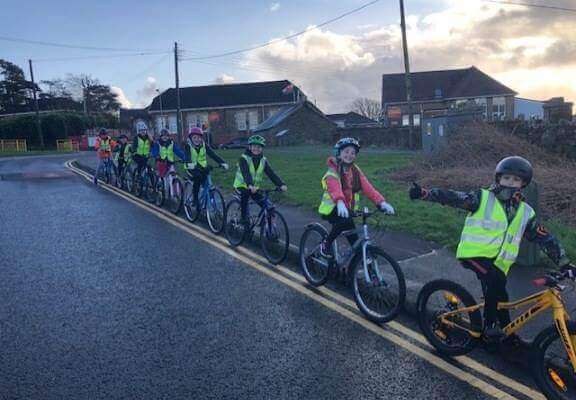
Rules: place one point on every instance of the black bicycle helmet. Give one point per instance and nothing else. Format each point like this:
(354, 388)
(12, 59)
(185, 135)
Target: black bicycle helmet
(514, 165)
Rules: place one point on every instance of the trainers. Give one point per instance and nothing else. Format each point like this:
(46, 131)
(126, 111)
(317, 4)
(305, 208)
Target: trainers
(516, 350)
(325, 250)
(493, 334)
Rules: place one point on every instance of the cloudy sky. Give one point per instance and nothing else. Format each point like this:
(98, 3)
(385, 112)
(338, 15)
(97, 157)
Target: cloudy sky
(531, 50)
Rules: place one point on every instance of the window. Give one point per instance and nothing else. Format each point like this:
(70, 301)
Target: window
(241, 120)
(481, 102)
(406, 120)
(172, 125)
(252, 119)
(498, 108)
(161, 122)
(197, 120)
(416, 119)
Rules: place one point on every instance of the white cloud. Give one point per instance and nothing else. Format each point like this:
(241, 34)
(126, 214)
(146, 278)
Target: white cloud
(274, 7)
(528, 50)
(122, 99)
(147, 92)
(224, 78)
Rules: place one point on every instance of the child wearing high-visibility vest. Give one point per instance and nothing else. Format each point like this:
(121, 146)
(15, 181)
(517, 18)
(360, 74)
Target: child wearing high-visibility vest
(498, 219)
(165, 150)
(252, 166)
(104, 145)
(122, 154)
(197, 154)
(342, 184)
(141, 146)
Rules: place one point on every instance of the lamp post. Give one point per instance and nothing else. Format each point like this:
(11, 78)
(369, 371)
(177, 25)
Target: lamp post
(163, 125)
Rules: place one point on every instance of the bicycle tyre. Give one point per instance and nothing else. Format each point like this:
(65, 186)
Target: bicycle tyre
(215, 210)
(315, 276)
(427, 318)
(190, 209)
(357, 271)
(233, 227)
(159, 192)
(176, 199)
(268, 239)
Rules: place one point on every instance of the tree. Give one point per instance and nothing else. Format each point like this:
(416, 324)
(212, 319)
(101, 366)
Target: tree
(15, 90)
(98, 98)
(55, 88)
(367, 107)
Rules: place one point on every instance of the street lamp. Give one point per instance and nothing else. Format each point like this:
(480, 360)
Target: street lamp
(161, 111)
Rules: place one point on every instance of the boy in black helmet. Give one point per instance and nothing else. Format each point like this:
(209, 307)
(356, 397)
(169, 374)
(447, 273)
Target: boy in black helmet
(498, 219)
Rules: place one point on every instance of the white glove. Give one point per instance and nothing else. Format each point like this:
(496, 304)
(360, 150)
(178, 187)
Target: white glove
(342, 210)
(225, 166)
(387, 208)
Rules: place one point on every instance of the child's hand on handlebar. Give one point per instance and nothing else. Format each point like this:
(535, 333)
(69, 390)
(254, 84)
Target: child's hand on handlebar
(252, 189)
(225, 166)
(283, 188)
(387, 208)
(342, 210)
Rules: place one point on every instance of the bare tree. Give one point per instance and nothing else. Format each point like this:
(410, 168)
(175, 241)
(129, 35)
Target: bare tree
(367, 107)
(96, 97)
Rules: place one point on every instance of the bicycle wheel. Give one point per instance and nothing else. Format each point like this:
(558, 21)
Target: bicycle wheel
(552, 368)
(215, 211)
(150, 188)
(274, 237)
(127, 182)
(190, 209)
(137, 184)
(160, 192)
(176, 199)
(315, 268)
(380, 295)
(441, 296)
(108, 174)
(234, 229)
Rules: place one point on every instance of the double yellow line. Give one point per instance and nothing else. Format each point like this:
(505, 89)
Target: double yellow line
(337, 303)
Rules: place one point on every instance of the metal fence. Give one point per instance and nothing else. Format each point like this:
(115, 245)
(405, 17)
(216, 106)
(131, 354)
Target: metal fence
(67, 145)
(13, 145)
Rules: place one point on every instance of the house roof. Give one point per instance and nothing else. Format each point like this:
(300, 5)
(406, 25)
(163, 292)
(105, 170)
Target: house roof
(285, 112)
(350, 118)
(226, 95)
(456, 83)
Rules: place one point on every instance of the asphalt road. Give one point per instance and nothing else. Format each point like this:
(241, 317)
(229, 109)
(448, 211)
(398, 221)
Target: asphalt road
(100, 299)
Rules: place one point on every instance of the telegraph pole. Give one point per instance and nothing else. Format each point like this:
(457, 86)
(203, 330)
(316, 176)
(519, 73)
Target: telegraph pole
(407, 75)
(178, 117)
(38, 123)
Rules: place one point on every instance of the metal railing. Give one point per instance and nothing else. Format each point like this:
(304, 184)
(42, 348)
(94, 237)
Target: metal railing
(13, 145)
(67, 145)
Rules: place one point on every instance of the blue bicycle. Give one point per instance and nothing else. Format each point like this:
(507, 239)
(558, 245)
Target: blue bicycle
(105, 166)
(210, 201)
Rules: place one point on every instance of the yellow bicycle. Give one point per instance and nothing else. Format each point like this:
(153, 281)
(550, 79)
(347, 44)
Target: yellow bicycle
(451, 320)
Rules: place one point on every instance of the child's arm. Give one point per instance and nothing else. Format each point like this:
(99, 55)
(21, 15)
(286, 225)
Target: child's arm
(155, 150)
(272, 175)
(548, 243)
(179, 152)
(466, 201)
(212, 154)
(369, 190)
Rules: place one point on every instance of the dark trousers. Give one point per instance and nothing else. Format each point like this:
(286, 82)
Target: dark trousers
(198, 177)
(141, 162)
(245, 196)
(493, 282)
(339, 225)
(120, 167)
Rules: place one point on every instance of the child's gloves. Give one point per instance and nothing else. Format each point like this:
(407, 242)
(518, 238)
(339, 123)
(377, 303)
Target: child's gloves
(569, 270)
(416, 191)
(387, 208)
(225, 166)
(342, 210)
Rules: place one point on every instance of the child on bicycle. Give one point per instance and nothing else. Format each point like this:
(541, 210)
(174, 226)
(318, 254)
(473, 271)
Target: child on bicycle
(122, 154)
(498, 219)
(104, 145)
(197, 163)
(165, 150)
(342, 184)
(250, 173)
(141, 146)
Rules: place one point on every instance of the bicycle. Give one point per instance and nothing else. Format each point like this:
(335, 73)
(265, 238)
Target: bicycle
(378, 283)
(107, 166)
(124, 178)
(451, 321)
(210, 200)
(169, 187)
(144, 182)
(274, 235)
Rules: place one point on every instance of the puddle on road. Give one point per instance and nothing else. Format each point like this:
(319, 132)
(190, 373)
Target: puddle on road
(36, 175)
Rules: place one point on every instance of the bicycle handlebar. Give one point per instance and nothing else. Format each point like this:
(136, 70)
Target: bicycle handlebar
(553, 279)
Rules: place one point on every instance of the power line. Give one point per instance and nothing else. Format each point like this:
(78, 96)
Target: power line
(69, 46)
(146, 70)
(531, 5)
(229, 53)
(100, 56)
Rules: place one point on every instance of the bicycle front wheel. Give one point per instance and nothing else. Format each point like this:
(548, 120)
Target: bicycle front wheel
(274, 237)
(159, 192)
(176, 197)
(439, 297)
(128, 183)
(234, 228)
(552, 368)
(315, 268)
(380, 290)
(215, 211)
(190, 209)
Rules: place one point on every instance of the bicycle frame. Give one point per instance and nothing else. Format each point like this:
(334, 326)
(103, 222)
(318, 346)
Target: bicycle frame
(204, 197)
(541, 301)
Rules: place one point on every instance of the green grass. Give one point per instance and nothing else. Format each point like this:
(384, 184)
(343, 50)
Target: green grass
(31, 153)
(302, 168)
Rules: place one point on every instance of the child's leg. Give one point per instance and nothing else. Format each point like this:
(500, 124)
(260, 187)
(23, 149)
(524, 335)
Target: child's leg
(198, 181)
(244, 197)
(340, 225)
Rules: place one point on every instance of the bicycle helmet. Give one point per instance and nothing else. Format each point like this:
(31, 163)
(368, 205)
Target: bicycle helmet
(195, 131)
(515, 165)
(257, 140)
(141, 127)
(345, 142)
(102, 132)
(164, 132)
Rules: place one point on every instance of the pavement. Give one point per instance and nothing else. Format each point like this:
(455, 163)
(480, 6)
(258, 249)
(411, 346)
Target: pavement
(103, 299)
(422, 261)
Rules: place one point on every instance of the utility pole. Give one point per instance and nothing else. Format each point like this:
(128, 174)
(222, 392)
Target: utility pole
(407, 74)
(178, 117)
(38, 123)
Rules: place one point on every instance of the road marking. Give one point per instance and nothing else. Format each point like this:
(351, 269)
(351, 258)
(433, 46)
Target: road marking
(249, 258)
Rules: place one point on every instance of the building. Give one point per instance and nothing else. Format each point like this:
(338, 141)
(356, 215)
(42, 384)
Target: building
(297, 123)
(351, 119)
(130, 116)
(225, 110)
(526, 109)
(557, 109)
(438, 92)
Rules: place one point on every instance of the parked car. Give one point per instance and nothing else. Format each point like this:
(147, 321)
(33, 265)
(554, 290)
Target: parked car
(236, 143)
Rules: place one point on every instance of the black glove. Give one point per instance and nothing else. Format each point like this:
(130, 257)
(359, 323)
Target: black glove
(416, 191)
(569, 270)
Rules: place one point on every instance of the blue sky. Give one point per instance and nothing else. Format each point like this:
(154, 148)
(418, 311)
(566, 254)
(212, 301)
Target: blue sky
(340, 61)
